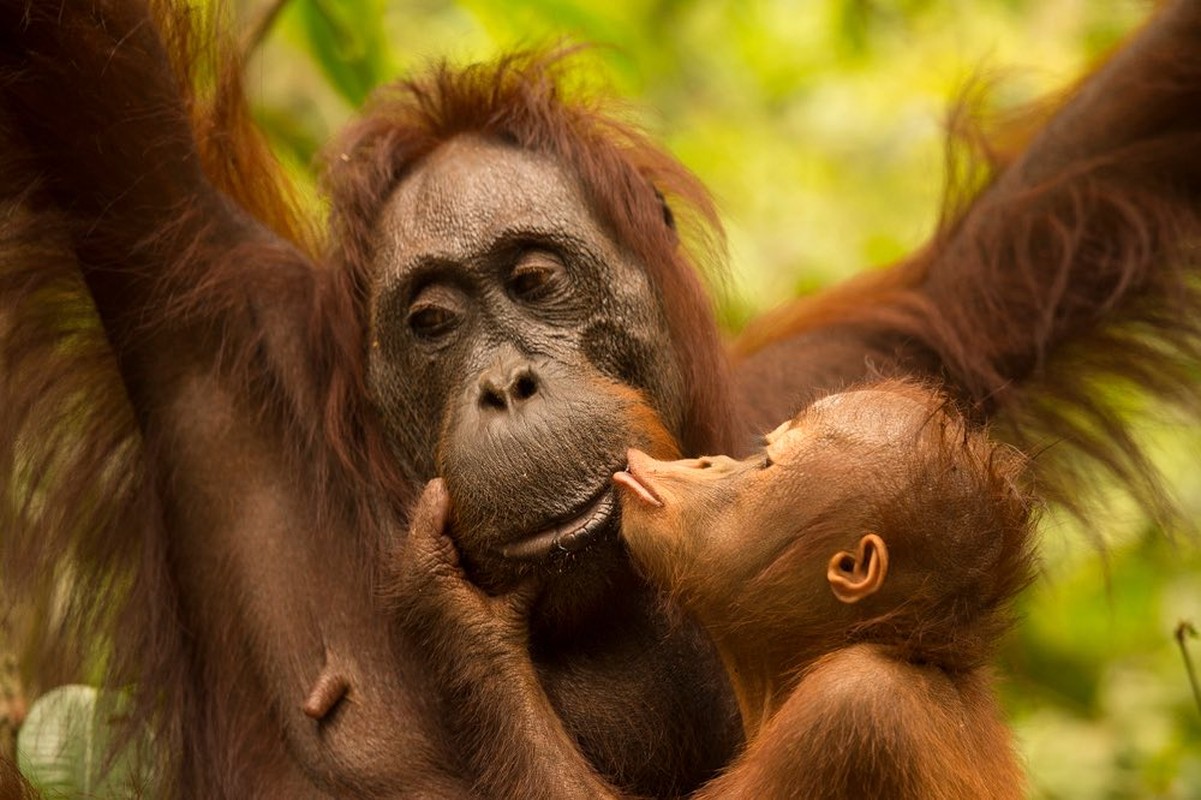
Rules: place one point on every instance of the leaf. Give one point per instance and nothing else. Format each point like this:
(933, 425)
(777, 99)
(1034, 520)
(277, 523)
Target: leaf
(348, 43)
(64, 746)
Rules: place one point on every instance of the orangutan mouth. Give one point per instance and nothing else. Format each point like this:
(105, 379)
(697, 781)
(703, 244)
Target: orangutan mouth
(568, 536)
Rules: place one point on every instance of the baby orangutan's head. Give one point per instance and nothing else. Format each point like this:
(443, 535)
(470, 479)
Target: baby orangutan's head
(871, 513)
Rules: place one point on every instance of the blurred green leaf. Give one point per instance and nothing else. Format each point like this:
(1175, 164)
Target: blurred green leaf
(65, 746)
(347, 41)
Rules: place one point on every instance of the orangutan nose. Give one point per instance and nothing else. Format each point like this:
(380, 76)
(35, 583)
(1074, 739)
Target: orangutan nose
(507, 385)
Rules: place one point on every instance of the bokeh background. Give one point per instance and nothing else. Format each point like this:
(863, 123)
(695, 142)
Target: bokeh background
(819, 127)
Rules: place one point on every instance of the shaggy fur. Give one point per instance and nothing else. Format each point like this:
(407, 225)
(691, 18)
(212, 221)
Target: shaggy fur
(158, 286)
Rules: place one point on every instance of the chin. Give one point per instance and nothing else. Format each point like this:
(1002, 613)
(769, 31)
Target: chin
(593, 583)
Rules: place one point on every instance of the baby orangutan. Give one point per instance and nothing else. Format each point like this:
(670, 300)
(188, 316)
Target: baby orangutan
(854, 578)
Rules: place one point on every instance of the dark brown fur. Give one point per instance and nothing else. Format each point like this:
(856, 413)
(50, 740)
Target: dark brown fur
(174, 359)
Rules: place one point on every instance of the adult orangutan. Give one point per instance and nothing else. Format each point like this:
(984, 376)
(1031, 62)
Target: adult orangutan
(855, 576)
(211, 430)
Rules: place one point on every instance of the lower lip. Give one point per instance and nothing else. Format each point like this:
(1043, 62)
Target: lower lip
(569, 536)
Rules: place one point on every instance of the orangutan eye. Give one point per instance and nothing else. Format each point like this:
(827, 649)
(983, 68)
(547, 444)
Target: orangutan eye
(434, 313)
(430, 321)
(528, 280)
(767, 462)
(536, 276)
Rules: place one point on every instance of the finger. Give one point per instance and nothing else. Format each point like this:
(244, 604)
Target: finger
(428, 539)
(415, 558)
(430, 549)
(432, 511)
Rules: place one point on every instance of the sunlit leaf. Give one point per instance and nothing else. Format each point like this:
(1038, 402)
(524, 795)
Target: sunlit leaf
(64, 747)
(348, 43)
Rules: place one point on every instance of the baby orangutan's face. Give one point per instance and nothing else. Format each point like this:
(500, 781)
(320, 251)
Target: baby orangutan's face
(708, 525)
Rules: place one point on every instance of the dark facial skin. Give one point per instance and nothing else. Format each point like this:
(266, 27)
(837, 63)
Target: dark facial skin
(509, 328)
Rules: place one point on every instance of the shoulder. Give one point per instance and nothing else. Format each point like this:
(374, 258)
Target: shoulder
(864, 675)
(880, 725)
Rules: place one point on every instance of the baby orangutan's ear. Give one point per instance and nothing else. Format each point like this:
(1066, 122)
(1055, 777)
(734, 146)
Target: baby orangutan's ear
(854, 576)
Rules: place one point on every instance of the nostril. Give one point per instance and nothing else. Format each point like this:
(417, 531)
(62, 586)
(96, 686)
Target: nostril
(525, 387)
(491, 398)
(704, 463)
(491, 394)
(501, 392)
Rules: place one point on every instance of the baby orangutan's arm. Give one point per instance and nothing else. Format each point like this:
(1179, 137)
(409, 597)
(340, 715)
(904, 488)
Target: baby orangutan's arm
(484, 676)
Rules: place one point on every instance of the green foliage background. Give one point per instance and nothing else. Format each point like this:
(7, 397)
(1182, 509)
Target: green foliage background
(818, 126)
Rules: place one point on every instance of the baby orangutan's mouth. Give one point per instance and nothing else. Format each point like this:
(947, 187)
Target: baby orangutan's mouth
(636, 484)
(569, 535)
